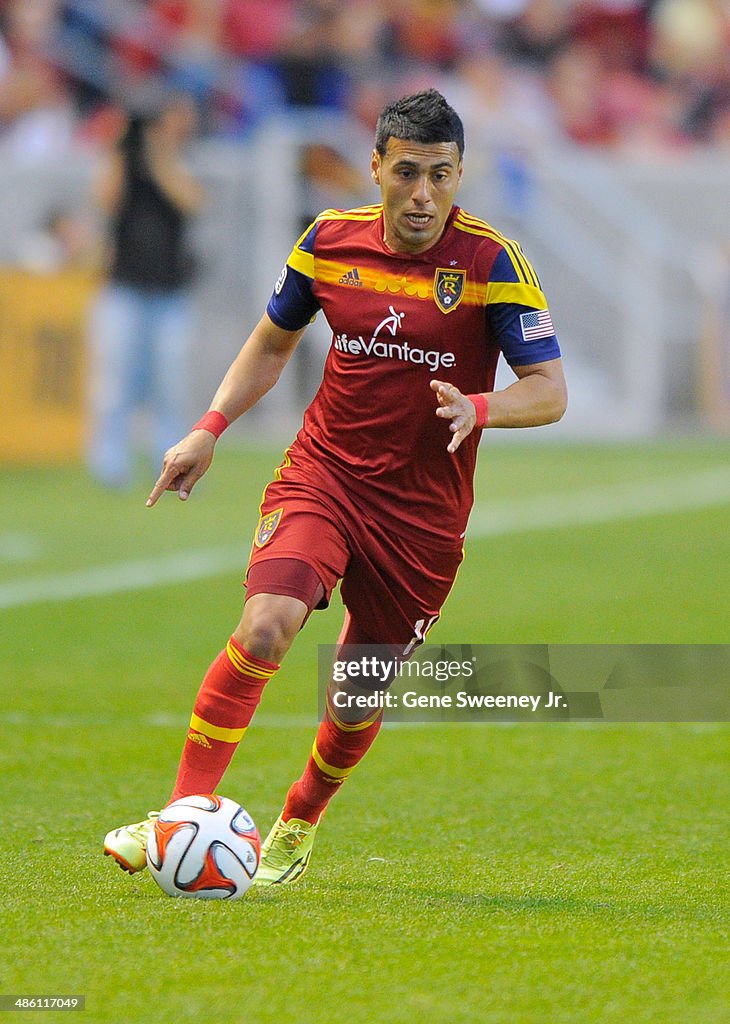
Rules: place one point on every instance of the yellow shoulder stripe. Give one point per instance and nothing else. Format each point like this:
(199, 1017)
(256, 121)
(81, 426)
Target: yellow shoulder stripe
(465, 222)
(520, 263)
(302, 261)
(517, 293)
(476, 222)
(362, 214)
(523, 267)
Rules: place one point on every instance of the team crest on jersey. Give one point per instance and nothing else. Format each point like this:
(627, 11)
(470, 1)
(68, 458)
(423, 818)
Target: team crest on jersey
(267, 526)
(448, 288)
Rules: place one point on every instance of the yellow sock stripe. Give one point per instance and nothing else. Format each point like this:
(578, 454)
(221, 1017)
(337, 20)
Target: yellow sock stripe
(336, 774)
(243, 664)
(350, 726)
(215, 732)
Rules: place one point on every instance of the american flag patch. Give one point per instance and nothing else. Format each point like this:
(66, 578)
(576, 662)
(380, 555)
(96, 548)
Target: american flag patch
(537, 325)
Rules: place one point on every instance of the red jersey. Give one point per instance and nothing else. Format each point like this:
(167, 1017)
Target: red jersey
(398, 321)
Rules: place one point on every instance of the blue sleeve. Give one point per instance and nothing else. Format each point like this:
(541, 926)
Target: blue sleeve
(517, 311)
(293, 304)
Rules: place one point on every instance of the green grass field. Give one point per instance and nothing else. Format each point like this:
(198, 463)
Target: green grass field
(527, 874)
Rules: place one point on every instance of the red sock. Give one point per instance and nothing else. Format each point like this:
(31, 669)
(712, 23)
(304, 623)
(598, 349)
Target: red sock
(338, 748)
(225, 705)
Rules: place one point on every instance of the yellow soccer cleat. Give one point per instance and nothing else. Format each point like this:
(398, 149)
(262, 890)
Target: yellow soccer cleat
(128, 844)
(286, 852)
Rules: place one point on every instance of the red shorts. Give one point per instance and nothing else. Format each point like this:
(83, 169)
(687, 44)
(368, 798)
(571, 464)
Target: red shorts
(393, 586)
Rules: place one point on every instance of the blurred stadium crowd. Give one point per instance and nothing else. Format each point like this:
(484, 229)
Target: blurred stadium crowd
(642, 76)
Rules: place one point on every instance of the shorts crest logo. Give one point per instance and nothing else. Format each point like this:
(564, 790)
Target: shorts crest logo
(267, 526)
(448, 288)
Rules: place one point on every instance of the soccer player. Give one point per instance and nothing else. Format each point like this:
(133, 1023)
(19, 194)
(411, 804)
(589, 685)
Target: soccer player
(376, 489)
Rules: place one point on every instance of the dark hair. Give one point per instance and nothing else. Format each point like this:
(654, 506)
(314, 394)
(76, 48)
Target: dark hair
(423, 117)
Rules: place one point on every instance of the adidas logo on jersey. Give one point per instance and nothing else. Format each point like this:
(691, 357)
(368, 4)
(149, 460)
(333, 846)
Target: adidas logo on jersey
(351, 277)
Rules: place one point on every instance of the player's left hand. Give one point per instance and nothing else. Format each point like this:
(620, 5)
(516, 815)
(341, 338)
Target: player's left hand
(455, 407)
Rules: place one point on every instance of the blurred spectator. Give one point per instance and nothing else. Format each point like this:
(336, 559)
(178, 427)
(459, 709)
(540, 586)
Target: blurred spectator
(616, 71)
(141, 324)
(309, 64)
(691, 50)
(541, 29)
(617, 29)
(191, 35)
(254, 28)
(509, 117)
(36, 116)
(691, 38)
(578, 83)
(427, 31)
(647, 116)
(66, 240)
(504, 107)
(719, 135)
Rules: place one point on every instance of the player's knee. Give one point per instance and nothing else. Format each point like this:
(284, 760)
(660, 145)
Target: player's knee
(264, 638)
(268, 626)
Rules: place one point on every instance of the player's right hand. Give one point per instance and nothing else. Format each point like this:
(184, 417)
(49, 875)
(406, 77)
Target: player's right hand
(455, 407)
(184, 464)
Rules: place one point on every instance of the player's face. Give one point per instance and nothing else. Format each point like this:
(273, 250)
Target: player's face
(418, 184)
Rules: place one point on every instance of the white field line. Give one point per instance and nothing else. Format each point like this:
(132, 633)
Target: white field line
(23, 719)
(76, 722)
(590, 506)
(100, 580)
(603, 504)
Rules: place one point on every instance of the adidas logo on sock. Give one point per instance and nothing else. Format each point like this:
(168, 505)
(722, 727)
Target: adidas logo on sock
(352, 277)
(200, 739)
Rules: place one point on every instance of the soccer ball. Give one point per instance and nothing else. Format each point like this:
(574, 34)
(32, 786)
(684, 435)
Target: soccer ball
(204, 846)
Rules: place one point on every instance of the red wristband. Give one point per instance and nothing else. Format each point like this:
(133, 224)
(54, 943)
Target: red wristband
(213, 421)
(482, 408)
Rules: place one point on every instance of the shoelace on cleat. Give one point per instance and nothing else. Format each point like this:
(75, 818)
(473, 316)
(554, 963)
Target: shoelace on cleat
(288, 837)
(140, 830)
(293, 835)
